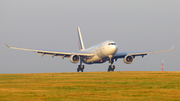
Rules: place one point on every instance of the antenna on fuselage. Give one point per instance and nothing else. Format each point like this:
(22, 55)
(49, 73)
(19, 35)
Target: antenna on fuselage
(81, 44)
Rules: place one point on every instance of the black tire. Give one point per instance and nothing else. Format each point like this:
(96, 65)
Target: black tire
(81, 70)
(77, 69)
(113, 68)
(109, 69)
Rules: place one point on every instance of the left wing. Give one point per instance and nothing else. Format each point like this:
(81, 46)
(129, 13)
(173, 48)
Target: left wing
(138, 53)
(55, 52)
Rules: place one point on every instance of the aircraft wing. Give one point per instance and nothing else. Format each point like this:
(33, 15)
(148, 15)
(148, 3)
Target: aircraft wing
(138, 53)
(55, 52)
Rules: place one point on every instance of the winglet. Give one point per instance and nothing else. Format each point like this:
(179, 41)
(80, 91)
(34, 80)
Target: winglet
(7, 45)
(172, 47)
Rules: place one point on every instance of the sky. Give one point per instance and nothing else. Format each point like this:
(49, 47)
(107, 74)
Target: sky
(135, 25)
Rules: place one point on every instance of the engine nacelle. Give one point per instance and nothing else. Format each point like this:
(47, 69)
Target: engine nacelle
(74, 58)
(128, 59)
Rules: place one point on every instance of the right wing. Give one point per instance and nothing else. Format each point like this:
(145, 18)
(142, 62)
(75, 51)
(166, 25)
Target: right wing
(55, 52)
(138, 53)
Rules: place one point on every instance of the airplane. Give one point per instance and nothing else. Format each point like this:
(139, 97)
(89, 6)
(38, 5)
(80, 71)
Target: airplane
(100, 53)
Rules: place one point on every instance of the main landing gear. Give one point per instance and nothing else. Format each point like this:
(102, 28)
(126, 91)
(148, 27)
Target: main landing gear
(111, 66)
(80, 67)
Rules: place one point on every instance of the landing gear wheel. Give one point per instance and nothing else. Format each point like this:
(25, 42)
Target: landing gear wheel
(80, 68)
(111, 68)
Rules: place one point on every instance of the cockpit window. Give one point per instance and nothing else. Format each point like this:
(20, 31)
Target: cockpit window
(112, 44)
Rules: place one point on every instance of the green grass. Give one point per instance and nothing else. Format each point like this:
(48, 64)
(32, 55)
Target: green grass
(131, 85)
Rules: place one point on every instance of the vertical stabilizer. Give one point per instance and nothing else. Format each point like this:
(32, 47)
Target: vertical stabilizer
(81, 44)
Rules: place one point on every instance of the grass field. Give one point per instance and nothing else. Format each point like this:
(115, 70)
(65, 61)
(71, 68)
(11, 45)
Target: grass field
(135, 85)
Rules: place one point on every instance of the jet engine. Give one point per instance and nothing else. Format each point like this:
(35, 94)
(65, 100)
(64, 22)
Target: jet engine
(74, 58)
(128, 59)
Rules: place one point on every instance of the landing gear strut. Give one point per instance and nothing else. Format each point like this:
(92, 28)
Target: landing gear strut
(80, 67)
(111, 66)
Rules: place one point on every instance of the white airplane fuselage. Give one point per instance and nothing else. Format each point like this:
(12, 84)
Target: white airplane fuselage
(102, 51)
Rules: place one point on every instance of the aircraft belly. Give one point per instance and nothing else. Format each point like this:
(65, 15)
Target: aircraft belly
(94, 59)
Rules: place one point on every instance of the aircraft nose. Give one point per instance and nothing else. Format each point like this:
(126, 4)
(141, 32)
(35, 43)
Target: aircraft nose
(109, 49)
(114, 49)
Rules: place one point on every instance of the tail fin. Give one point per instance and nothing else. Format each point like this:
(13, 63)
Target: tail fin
(81, 45)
